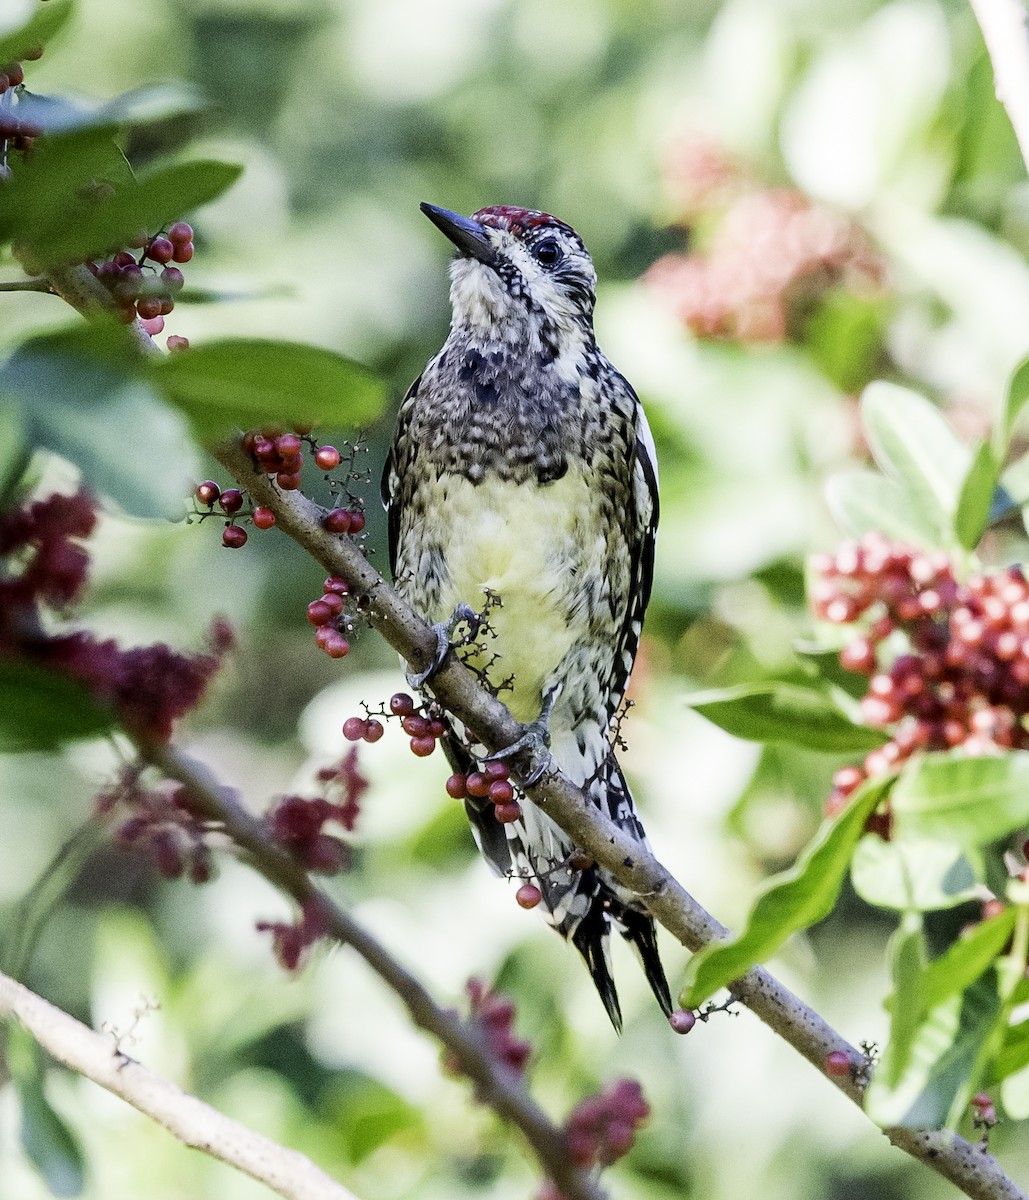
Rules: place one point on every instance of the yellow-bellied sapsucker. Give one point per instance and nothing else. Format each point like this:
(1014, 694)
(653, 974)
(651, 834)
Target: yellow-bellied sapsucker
(522, 465)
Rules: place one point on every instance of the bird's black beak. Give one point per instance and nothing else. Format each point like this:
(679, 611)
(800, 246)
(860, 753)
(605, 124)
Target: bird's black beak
(468, 236)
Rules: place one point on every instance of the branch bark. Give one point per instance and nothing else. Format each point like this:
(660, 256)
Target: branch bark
(193, 1122)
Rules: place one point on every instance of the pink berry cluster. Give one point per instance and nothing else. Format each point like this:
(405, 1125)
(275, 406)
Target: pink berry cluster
(281, 454)
(290, 941)
(491, 782)
(423, 725)
(494, 1014)
(43, 569)
(602, 1129)
(297, 822)
(230, 500)
(163, 826)
(947, 660)
(145, 286)
(984, 1112)
(768, 252)
(330, 620)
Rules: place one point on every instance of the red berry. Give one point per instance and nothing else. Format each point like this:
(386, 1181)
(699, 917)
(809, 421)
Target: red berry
(506, 813)
(401, 705)
(528, 895)
(334, 602)
(173, 279)
(183, 252)
(327, 458)
(423, 746)
(234, 537)
(149, 308)
(288, 481)
(457, 787)
(160, 250)
(981, 1100)
(180, 233)
(682, 1020)
(323, 635)
(374, 731)
(175, 343)
(335, 584)
(478, 785)
(354, 728)
(230, 501)
(837, 1062)
(319, 613)
(264, 518)
(337, 521)
(337, 647)
(495, 769)
(289, 445)
(356, 521)
(208, 492)
(501, 792)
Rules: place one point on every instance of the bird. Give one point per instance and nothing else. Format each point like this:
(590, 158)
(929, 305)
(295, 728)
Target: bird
(522, 468)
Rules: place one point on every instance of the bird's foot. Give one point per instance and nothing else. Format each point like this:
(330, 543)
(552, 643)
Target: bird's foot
(535, 739)
(444, 631)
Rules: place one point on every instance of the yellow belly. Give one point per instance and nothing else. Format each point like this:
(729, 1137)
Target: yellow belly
(540, 549)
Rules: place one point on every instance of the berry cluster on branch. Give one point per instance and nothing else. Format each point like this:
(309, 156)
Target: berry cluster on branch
(145, 286)
(947, 659)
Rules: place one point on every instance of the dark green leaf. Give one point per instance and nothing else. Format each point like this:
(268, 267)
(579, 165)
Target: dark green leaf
(46, 21)
(866, 502)
(785, 712)
(42, 710)
(45, 1137)
(1017, 395)
(85, 399)
(927, 1082)
(111, 220)
(241, 383)
(1013, 1056)
(915, 446)
(911, 873)
(12, 444)
(965, 801)
(961, 964)
(788, 902)
(824, 662)
(976, 497)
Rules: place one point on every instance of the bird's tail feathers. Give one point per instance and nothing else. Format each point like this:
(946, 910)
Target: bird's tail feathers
(591, 940)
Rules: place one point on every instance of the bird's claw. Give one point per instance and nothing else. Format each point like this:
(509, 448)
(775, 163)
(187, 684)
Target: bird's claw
(536, 740)
(443, 630)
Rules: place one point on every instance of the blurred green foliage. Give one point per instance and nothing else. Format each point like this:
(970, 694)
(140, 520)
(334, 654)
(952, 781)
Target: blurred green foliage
(344, 116)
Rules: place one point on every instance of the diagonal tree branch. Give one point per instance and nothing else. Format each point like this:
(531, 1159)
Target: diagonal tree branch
(190, 1120)
(968, 1167)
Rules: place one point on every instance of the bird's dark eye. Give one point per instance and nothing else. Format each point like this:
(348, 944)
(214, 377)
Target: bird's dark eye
(548, 253)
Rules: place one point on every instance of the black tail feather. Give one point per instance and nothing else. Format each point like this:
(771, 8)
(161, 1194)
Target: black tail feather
(638, 929)
(590, 939)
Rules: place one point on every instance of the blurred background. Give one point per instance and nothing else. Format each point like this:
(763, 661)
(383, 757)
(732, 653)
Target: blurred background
(784, 201)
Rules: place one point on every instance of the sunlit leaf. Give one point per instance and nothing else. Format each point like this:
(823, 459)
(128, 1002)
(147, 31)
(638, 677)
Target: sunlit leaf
(785, 712)
(46, 21)
(915, 446)
(976, 498)
(866, 502)
(43, 709)
(1014, 402)
(788, 902)
(962, 800)
(911, 873)
(241, 383)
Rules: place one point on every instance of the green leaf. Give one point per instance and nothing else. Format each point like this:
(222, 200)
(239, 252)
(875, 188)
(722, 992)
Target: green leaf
(976, 497)
(13, 450)
(961, 800)
(111, 220)
(867, 502)
(961, 964)
(1010, 1068)
(785, 712)
(788, 902)
(912, 874)
(927, 1080)
(85, 399)
(242, 383)
(45, 1137)
(907, 962)
(42, 709)
(1017, 395)
(142, 106)
(916, 447)
(45, 22)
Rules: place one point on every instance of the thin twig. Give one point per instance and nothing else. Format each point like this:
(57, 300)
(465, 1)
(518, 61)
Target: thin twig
(194, 1123)
(42, 284)
(967, 1166)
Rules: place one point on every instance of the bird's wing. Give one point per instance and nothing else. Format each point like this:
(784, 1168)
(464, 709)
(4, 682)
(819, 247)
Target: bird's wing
(641, 518)
(389, 488)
